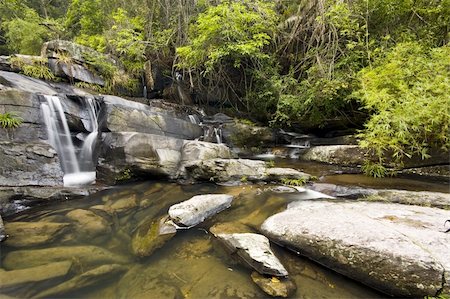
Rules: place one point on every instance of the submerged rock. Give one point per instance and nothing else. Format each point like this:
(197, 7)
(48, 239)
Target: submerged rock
(89, 224)
(84, 255)
(195, 210)
(89, 278)
(400, 250)
(151, 235)
(274, 286)
(24, 282)
(254, 250)
(25, 234)
(229, 228)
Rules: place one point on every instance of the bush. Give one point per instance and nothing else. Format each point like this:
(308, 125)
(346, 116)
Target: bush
(408, 93)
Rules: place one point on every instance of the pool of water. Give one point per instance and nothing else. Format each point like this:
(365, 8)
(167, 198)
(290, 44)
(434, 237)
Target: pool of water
(193, 264)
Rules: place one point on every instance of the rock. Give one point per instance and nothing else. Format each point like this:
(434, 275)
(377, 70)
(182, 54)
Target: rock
(17, 81)
(139, 283)
(223, 170)
(31, 163)
(17, 199)
(89, 278)
(89, 224)
(122, 116)
(24, 282)
(274, 286)
(151, 235)
(195, 210)
(353, 155)
(419, 198)
(128, 153)
(400, 250)
(84, 255)
(74, 71)
(254, 250)
(122, 205)
(229, 228)
(26, 234)
(246, 135)
(283, 189)
(3, 235)
(200, 150)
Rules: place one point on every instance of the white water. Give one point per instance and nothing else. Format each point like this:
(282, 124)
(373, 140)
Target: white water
(218, 134)
(193, 119)
(60, 138)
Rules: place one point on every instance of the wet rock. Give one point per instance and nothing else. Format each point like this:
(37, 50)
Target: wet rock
(25, 234)
(84, 255)
(89, 278)
(151, 235)
(3, 234)
(24, 83)
(195, 210)
(274, 286)
(31, 163)
(128, 153)
(420, 198)
(139, 283)
(229, 228)
(89, 224)
(24, 282)
(277, 174)
(18, 199)
(283, 189)
(122, 205)
(200, 150)
(398, 249)
(254, 250)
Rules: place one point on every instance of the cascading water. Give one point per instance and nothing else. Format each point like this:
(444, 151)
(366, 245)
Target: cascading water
(218, 134)
(60, 138)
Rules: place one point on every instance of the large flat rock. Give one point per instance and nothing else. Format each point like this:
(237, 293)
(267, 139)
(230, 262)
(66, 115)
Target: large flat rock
(195, 210)
(398, 249)
(25, 234)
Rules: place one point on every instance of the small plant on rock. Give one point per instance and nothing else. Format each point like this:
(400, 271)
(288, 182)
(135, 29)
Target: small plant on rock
(10, 121)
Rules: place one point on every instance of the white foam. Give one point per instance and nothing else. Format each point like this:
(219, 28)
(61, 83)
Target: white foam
(78, 179)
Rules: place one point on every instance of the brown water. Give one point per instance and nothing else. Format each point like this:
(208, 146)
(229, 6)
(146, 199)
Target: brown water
(192, 264)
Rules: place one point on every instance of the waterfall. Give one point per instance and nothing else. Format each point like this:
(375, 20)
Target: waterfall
(193, 119)
(60, 138)
(218, 134)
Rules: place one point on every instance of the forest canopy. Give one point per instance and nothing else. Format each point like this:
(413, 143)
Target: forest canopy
(380, 65)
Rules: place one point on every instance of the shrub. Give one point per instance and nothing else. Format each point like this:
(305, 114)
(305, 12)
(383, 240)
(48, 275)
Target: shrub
(408, 94)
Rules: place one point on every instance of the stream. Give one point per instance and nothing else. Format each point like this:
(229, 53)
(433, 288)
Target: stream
(193, 264)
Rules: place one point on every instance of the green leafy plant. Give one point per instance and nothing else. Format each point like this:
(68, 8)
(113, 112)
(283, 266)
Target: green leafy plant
(376, 170)
(294, 182)
(36, 67)
(125, 175)
(10, 121)
(408, 95)
(270, 164)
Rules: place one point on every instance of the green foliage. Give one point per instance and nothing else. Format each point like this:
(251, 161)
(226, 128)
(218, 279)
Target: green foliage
(36, 68)
(26, 35)
(376, 170)
(230, 33)
(270, 164)
(294, 182)
(125, 175)
(408, 95)
(10, 120)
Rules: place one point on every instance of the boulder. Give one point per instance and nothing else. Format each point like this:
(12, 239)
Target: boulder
(419, 198)
(26, 234)
(88, 224)
(31, 163)
(222, 170)
(127, 153)
(254, 250)
(122, 116)
(245, 134)
(151, 235)
(200, 150)
(122, 205)
(274, 286)
(195, 210)
(400, 250)
(89, 278)
(74, 71)
(3, 235)
(85, 256)
(11, 80)
(24, 282)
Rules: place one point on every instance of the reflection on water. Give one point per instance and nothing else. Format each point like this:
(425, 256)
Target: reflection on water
(191, 265)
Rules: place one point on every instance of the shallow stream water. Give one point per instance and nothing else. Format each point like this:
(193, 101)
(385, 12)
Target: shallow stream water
(192, 264)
